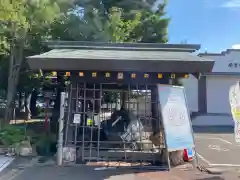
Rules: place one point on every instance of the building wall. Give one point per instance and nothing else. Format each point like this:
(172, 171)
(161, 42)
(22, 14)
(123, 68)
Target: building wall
(218, 93)
(215, 109)
(191, 90)
(212, 120)
(227, 62)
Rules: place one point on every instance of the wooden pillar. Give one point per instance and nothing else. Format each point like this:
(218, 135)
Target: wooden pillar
(154, 109)
(56, 109)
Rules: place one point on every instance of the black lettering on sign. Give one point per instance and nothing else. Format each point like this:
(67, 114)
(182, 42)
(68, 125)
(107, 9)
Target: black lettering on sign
(233, 65)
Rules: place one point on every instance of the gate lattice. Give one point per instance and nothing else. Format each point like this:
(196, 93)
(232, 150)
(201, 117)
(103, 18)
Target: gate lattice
(116, 124)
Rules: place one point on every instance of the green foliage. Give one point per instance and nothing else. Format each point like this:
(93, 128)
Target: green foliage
(44, 139)
(119, 29)
(106, 5)
(111, 97)
(139, 18)
(28, 14)
(123, 22)
(153, 27)
(27, 23)
(4, 45)
(10, 135)
(30, 22)
(44, 144)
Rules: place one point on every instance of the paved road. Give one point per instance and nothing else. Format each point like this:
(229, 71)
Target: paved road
(88, 173)
(217, 148)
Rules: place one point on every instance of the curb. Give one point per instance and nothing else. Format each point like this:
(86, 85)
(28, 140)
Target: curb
(214, 171)
(6, 164)
(14, 172)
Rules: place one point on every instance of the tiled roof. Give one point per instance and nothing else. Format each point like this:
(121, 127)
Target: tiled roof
(120, 59)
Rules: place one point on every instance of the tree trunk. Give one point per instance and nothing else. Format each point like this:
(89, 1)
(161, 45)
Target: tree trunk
(27, 106)
(22, 108)
(56, 112)
(19, 99)
(16, 59)
(33, 103)
(10, 75)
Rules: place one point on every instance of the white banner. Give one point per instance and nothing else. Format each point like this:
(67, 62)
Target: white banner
(237, 131)
(234, 100)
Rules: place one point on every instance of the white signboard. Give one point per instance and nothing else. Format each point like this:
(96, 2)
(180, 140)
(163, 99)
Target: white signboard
(176, 119)
(77, 119)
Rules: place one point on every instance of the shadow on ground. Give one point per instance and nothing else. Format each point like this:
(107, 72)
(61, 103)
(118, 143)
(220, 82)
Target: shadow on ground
(214, 129)
(78, 172)
(212, 178)
(89, 173)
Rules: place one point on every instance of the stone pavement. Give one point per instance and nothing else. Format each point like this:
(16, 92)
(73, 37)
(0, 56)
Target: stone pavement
(4, 162)
(78, 172)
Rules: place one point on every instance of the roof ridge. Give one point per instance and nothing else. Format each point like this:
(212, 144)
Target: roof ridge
(125, 46)
(122, 48)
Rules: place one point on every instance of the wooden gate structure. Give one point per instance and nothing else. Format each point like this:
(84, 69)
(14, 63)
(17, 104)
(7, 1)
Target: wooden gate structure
(112, 110)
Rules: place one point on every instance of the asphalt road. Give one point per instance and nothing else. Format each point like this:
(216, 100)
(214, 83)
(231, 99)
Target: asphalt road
(88, 173)
(217, 149)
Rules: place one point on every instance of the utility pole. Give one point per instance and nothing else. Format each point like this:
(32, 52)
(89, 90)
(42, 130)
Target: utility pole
(60, 131)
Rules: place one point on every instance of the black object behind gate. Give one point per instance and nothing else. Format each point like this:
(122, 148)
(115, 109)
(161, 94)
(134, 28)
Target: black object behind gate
(118, 123)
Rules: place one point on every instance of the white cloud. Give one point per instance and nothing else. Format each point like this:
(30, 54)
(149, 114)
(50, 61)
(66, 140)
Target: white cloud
(236, 46)
(231, 4)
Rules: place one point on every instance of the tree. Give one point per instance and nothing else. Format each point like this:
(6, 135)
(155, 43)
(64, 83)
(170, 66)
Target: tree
(105, 5)
(153, 23)
(24, 20)
(26, 23)
(110, 21)
(113, 21)
(153, 27)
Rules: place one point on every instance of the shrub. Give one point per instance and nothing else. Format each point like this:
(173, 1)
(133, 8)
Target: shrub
(10, 135)
(46, 144)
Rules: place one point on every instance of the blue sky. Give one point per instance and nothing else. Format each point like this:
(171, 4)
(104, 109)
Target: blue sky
(215, 24)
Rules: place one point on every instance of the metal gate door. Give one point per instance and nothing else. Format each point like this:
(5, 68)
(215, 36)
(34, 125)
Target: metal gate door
(111, 123)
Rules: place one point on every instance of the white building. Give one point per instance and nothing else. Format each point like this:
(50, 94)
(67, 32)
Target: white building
(208, 97)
